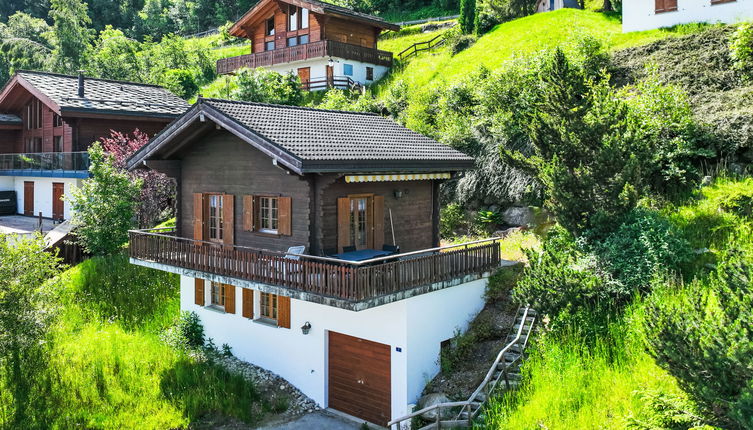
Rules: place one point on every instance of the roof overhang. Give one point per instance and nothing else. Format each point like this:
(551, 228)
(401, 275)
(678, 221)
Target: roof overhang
(115, 114)
(252, 16)
(9, 99)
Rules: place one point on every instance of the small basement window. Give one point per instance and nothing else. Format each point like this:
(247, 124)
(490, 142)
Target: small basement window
(348, 69)
(217, 297)
(268, 306)
(369, 73)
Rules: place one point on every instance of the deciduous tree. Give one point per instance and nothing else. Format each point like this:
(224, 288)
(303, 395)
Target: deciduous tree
(104, 206)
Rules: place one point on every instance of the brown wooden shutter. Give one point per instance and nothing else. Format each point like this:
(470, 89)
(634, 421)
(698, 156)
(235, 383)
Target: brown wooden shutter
(670, 5)
(199, 291)
(283, 311)
(248, 213)
(378, 222)
(198, 216)
(658, 6)
(284, 216)
(343, 223)
(248, 303)
(229, 299)
(228, 219)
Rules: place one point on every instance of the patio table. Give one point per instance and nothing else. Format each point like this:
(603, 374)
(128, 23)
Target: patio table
(361, 255)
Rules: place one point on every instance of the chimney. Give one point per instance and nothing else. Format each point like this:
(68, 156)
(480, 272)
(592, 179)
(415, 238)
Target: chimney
(81, 83)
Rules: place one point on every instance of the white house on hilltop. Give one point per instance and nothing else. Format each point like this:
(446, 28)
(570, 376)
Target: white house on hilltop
(639, 15)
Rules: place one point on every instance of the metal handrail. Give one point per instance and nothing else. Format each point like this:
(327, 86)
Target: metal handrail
(148, 232)
(467, 403)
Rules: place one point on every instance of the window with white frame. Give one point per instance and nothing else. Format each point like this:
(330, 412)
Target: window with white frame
(268, 214)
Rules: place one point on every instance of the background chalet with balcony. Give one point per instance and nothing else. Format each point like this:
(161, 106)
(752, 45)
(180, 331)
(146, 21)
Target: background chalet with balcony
(307, 240)
(325, 45)
(48, 121)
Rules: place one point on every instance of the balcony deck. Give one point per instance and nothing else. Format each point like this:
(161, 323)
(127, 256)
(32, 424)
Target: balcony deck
(53, 164)
(324, 48)
(350, 284)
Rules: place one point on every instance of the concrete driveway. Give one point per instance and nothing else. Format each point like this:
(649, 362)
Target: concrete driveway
(321, 419)
(17, 224)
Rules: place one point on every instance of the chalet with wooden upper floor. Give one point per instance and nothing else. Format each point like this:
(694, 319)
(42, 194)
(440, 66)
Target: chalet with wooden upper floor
(48, 121)
(308, 241)
(325, 45)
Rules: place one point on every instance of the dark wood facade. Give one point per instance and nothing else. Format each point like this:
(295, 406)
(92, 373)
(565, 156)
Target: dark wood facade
(221, 163)
(69, 134)
(46, 127)
(295, 30)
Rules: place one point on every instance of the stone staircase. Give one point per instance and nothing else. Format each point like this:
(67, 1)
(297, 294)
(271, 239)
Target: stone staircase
(504, 374)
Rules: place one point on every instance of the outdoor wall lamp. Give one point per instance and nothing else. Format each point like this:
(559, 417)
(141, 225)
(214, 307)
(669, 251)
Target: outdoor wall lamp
(306, 328)
(400, 193)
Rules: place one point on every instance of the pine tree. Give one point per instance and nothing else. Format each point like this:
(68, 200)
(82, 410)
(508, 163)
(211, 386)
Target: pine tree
(467, 18)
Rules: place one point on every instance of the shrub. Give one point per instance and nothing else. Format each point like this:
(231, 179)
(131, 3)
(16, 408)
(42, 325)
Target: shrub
(560, 277)
(180, 81)
(700, 333)
(27, 277)
(502, 282)
(643, 246)
(741, 48)
(187, 333)
(451, 219)
(265, 86)
(461, 43)
(104, 206)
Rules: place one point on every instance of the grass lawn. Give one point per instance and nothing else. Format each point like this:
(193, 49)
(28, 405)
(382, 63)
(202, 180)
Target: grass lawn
(411, 35)
(518, 38)
(109, 367)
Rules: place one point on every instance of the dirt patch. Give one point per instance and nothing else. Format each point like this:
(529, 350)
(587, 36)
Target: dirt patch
(495, 321)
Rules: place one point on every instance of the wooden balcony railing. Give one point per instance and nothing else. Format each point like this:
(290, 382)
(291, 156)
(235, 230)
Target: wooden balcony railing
(339, 82)
(319, 275)
(323, 48)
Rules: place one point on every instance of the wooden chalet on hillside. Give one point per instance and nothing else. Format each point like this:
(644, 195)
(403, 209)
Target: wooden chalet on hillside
(325, 45)
(48, 121)
(308, 241)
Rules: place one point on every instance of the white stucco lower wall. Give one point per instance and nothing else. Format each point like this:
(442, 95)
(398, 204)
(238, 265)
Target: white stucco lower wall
(432, 319)
(43, 193)
(7, 183)
(413, 328)
(638, 15)
(318, 69)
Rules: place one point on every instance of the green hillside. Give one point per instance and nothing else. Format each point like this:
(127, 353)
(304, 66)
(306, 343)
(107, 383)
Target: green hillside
(519, 37)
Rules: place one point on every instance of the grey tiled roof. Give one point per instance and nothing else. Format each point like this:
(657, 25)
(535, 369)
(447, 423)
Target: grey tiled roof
(326, 135)
(106, 95)
(8, 118)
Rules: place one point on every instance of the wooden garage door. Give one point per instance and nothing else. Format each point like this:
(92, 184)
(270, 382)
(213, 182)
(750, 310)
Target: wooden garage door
(359, 378)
